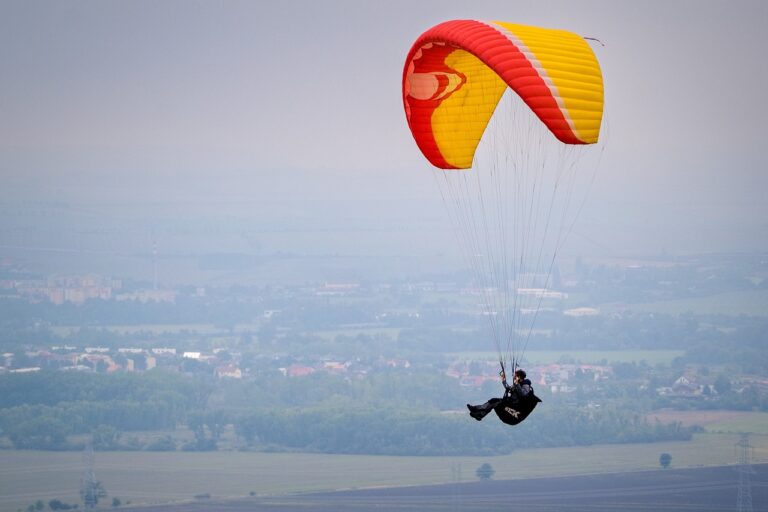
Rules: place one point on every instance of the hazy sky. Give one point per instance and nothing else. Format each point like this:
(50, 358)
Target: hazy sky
(226, 100)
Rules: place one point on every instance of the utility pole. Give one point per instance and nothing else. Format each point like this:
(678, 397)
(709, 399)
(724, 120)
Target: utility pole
(744, 452)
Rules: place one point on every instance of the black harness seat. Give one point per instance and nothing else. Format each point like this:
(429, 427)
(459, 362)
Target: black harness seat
(513, 410)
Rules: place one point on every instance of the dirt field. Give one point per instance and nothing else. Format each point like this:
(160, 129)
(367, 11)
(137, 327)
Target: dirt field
(703, 490)
(716, 421)
(701, 418)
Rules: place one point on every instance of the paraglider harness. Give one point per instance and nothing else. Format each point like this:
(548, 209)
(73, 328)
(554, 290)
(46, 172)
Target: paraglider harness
(516, 404)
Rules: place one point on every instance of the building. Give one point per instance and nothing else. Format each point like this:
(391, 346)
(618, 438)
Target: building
(228, 371)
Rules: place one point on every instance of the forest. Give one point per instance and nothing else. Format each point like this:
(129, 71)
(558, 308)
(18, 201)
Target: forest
(392, 414)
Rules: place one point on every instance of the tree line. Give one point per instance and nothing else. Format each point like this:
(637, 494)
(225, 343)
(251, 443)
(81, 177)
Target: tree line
(395, 414)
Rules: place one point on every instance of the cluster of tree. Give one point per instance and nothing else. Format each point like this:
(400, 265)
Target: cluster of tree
(747, 399)
(396, 412)
(40, 410)
(61, 505)
(736, 342)
(52, 387)
(397, 432)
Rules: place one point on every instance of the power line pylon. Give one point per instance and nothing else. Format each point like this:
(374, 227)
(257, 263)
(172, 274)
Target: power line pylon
(744, 497)
(456, 478)
(89, 486)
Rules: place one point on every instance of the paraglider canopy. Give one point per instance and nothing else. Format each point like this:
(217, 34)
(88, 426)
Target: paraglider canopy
(457, 71)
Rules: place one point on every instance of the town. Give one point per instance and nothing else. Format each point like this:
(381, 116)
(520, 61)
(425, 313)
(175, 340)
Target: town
(102, 324)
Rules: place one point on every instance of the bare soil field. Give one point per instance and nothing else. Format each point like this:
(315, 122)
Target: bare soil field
(700, 489)
(715, 420)
(701, 418)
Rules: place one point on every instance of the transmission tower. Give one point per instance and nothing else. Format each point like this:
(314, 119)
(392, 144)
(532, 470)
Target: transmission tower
(744, 452)
(456, 478)
(89, 486)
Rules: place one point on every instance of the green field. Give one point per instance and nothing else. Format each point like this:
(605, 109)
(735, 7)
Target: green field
(756, 422)
(715, 421)
(651, 357)
(210, 329)
(330, 335)
(155, 329)
(747, 302)
(146, 477)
